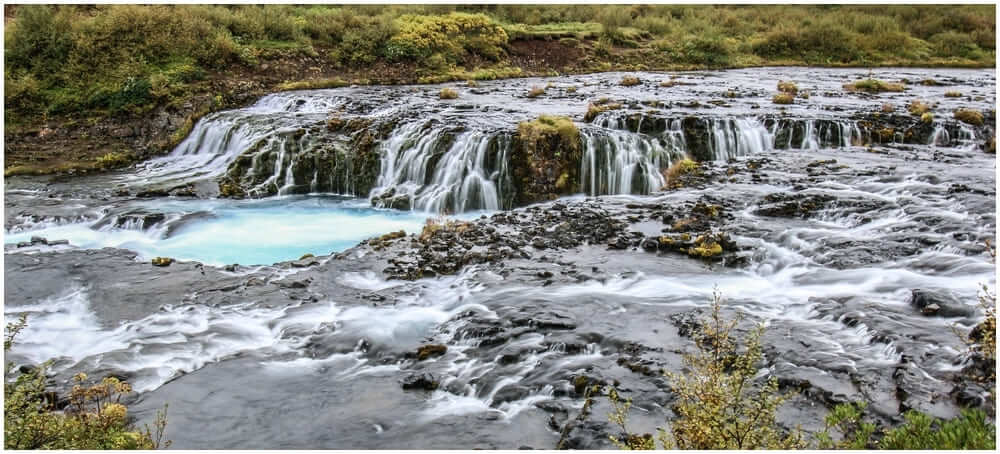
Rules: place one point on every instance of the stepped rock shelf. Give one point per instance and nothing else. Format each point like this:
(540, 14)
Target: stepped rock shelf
(579, 235)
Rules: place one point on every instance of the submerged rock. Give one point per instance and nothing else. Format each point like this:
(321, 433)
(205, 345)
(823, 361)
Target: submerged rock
(931, 302)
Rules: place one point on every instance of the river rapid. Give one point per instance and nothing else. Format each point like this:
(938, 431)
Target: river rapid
(283, 326)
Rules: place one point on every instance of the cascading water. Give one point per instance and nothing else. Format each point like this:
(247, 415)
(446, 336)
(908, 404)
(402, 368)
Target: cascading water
(439, 170)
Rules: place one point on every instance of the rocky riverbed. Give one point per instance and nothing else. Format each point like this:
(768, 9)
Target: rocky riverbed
(861, 251)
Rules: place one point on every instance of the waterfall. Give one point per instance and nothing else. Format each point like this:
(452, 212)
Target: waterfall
(733, 137)
(621, 162)
(440, 170)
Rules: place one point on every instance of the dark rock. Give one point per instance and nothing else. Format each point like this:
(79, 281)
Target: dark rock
(941, 304)
(420, 381)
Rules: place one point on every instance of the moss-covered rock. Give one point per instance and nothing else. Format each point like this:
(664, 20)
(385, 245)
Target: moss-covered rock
(545, 159)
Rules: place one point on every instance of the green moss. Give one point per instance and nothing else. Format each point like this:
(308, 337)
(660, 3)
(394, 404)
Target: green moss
(547, 125)
(113, 160)
(952, 94)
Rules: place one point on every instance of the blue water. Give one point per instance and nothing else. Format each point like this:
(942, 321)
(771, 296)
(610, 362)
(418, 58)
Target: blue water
(246, 232)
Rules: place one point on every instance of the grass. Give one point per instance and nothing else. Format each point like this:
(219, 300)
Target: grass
(595, 109)
(783, 98)
(535, 92)
(918, 108)
(549, 125)
(113, 60)
(952, 94)
(679, 169)
(629, 81)
(874, 86)
(788, 87)
(448, 93)
(970, 116)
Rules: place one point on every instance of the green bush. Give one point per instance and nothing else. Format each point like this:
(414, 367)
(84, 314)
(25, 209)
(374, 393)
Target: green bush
(971, 430)
(719, 404)
(453, 36)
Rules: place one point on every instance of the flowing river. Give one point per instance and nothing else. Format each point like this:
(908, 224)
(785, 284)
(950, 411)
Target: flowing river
(276, 329)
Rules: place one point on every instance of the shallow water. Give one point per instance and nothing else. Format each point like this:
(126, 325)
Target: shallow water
(219, 231)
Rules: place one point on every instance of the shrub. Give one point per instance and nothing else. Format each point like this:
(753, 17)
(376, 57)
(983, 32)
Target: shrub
(952, 94)
(448, 93)
(873, 86)
(788, 87)
(970, 116)
(471, 83)
(536, 91)
(453, 35)
(719, 405)
(94, 419)
(927, 117)
(971, 430)
(783, 98)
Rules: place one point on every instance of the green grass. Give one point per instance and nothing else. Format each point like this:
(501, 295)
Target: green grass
(107, 60)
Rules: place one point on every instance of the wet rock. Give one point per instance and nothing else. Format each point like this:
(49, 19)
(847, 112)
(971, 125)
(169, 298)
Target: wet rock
(389, 199)
(938, 303)
(305, 262)
(58, 242)
(38, 240)
(792, 205)
(420, 381)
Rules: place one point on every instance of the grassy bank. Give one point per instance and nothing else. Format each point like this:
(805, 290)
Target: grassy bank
(76, 64)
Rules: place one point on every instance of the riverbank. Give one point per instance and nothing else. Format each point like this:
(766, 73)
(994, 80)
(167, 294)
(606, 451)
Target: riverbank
(162, 82)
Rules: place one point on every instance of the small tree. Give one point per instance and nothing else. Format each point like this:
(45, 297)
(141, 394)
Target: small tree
(720, 404)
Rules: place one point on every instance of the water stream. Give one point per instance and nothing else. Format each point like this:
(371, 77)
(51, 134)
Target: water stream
(278, 355)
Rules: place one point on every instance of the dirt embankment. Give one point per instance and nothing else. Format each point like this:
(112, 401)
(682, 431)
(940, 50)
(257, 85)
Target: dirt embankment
(77, 145)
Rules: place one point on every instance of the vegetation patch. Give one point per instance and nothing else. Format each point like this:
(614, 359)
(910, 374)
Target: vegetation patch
(788, 87)
(970, 116)
(783, 98)
(953, 94)
(874, 86)
(629, 81)
(548, 125)
(918, 108)
(679, 169)
(448, 93)
(595, 109)
(94, 419)
(535, 92)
